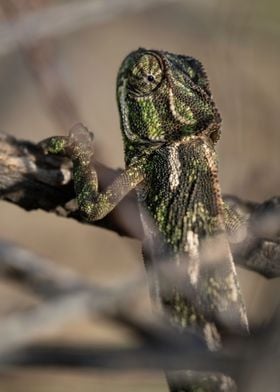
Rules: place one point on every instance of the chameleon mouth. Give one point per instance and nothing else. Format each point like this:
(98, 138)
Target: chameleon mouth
(215, 133)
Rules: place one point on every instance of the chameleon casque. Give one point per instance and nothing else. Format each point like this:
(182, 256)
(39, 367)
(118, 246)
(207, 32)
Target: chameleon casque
(170, 126)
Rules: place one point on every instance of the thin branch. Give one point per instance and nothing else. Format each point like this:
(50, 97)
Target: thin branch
(144, 357)
(241, 357)
(259, 248)
(66, 295)
(262, 256)
(50, 282)
(41, 58)
(38, 274)
(23, 327)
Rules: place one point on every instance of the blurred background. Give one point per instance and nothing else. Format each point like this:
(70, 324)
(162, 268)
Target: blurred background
(58, 65)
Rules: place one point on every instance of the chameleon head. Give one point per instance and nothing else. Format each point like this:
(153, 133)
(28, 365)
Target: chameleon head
(164, 97)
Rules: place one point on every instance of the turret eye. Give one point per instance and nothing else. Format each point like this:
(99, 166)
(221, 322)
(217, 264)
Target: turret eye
(150, 78)
(145, 75)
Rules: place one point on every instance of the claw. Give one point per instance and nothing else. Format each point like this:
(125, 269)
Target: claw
(80, 134)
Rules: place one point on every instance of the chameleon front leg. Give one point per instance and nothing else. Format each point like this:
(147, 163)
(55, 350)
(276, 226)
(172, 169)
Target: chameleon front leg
(78, 146)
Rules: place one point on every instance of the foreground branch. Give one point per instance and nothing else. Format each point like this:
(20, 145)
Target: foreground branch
(38, 274)
(69, 297)
(251, 361)
(160, 345)
(66, 295)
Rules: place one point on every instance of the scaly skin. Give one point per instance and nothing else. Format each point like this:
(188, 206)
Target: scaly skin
(170, 126)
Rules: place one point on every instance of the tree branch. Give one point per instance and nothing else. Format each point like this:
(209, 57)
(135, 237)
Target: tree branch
(259, 249)
(33, 180)
(38, 274)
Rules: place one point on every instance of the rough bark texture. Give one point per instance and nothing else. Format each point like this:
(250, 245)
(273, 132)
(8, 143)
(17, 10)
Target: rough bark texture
(33, 181)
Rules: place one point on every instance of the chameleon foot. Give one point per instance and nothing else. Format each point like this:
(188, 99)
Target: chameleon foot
(54, 145)
(78, 145)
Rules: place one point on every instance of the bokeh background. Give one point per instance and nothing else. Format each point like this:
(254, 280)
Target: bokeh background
(78, 53)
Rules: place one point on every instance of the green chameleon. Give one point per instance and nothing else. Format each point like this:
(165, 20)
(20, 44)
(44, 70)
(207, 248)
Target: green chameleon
(170, 126)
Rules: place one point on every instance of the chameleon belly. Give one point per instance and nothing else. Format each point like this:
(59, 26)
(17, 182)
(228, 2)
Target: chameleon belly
(182, 214)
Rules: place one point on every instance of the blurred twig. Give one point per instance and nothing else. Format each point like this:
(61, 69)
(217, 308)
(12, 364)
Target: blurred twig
(161, 346)
(41, 57)
(65, 17)
(259, 249)
(69, 16)
(66, 295)
(38, 274)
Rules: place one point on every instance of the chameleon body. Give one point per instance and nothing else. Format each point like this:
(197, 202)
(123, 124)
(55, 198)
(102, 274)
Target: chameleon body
(170, 126)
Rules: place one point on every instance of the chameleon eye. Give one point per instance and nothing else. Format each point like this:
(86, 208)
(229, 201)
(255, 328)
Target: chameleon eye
(150, 78)
(145, 75)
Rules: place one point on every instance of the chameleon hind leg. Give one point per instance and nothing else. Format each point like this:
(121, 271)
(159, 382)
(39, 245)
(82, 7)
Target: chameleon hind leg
(78, 146)
(190, 381)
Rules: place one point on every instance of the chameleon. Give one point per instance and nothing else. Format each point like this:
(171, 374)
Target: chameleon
(170, 126)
